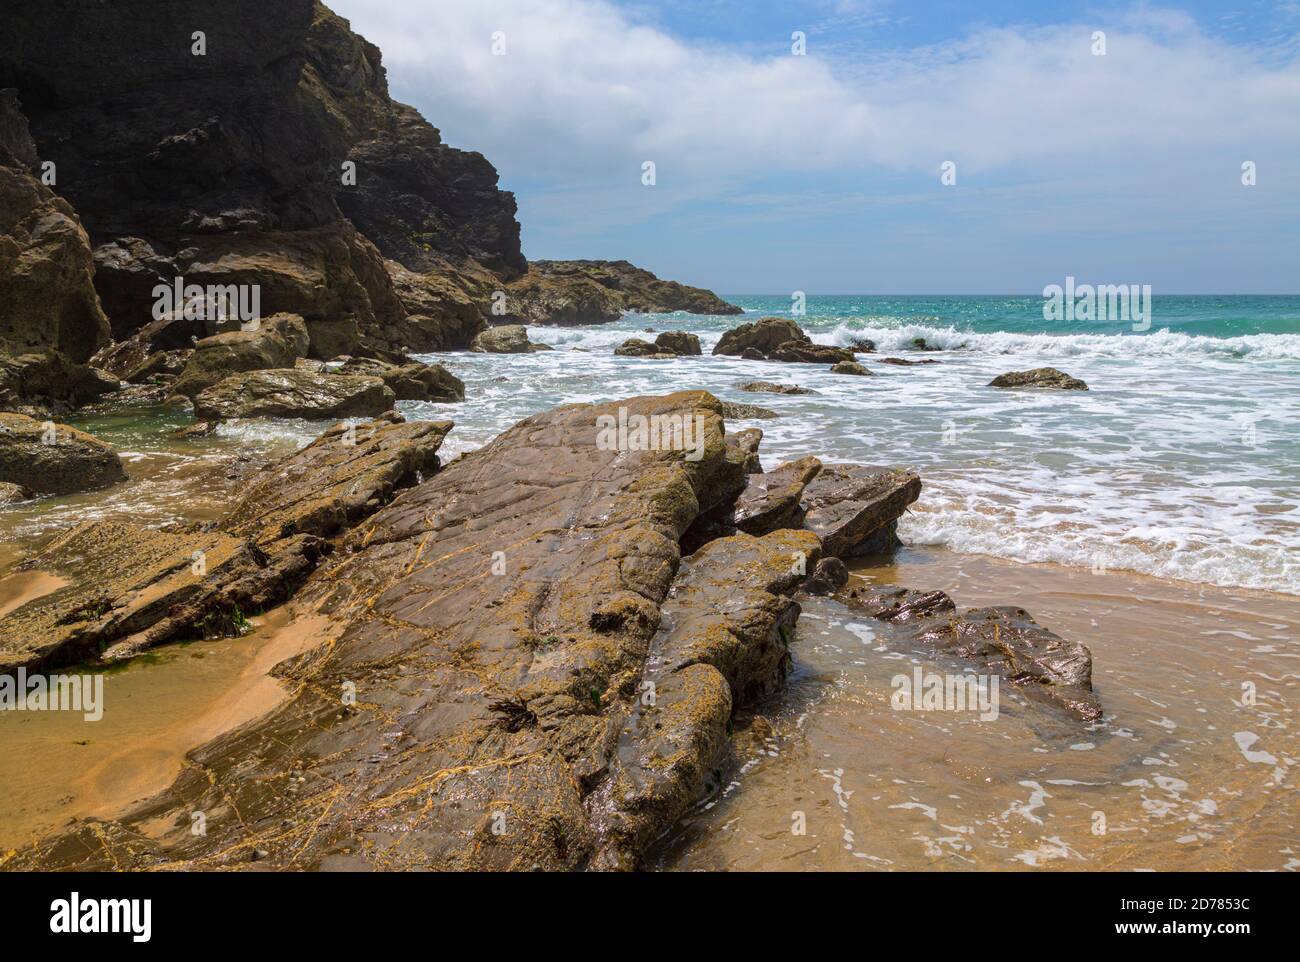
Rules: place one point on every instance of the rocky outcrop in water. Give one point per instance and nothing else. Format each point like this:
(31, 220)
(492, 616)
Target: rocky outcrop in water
(47, 458)
(769, 387)
(850, 367)
(777, 339)
(669, 344)
(1005, 640)
(506, 339)
(1039, 377)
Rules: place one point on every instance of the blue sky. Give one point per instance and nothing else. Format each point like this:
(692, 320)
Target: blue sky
(822, 172)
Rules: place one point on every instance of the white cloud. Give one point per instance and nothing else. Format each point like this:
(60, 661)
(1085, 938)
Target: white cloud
(585, 94)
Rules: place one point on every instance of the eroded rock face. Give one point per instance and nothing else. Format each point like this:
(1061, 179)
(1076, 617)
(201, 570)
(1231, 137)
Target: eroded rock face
(1005, 640)
(1039, 377)
(413, 381)
(854, 509)
(275, 343)
(47, 458)
(293, 393)
(48, 307)
(770, 501)
(131, 588)
(48, 384)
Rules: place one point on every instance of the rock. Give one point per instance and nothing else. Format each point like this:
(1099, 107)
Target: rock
(829, 576)
(768, 503)
(681, 343)
(290, 393)
(413, 381)
(48, 305)
(723, 643)
(1004, 639)
(49, 458)
(920, 344)
(862, 345)
(597, 292)
(635, 347)
(443, 311)
(762, 336)
(850, 367)
(131, 588)
(746, 412)
(742, 447)
(506, 339)
(127, 270)
(752, 354)
(903, 362)
(275, 343)
(800, 352)
(771, 388)
(48, 383)
(13, 494)
(313, 366)
(342, 477)
(1044, 377)
(480, 693)
(853, 509)
(172, 336)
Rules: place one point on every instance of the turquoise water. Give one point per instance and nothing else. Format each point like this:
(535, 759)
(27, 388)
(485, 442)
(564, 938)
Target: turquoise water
(1215, 316)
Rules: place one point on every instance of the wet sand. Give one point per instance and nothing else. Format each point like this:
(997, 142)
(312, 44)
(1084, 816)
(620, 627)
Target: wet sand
(1183, 772)
(56, 766)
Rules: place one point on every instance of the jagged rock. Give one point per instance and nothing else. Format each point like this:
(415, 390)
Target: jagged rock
(1041, 377)
(862, 345)
(290, 393)
(763, 336)
(127, 271)
(506, 339)
(805, 352)
(488, 693)
(854, 508)
(769, 387)
(49, 458)
(597, 292)
(444, 309)
(133, 359)
(723, 643)
(1003, 639)
(769, 502)
(275, 343)
(746, 412)
(130, 588)
(745, 444)
(342, 477)
(413, 381)
(850, 367)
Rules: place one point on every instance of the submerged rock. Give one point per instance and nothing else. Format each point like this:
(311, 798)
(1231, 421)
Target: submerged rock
(1043, 377)
(47, 458)
(768, 387)
(903, 362)
(1003, 639)
(850, 367)
(292, 393)
(801, 352)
